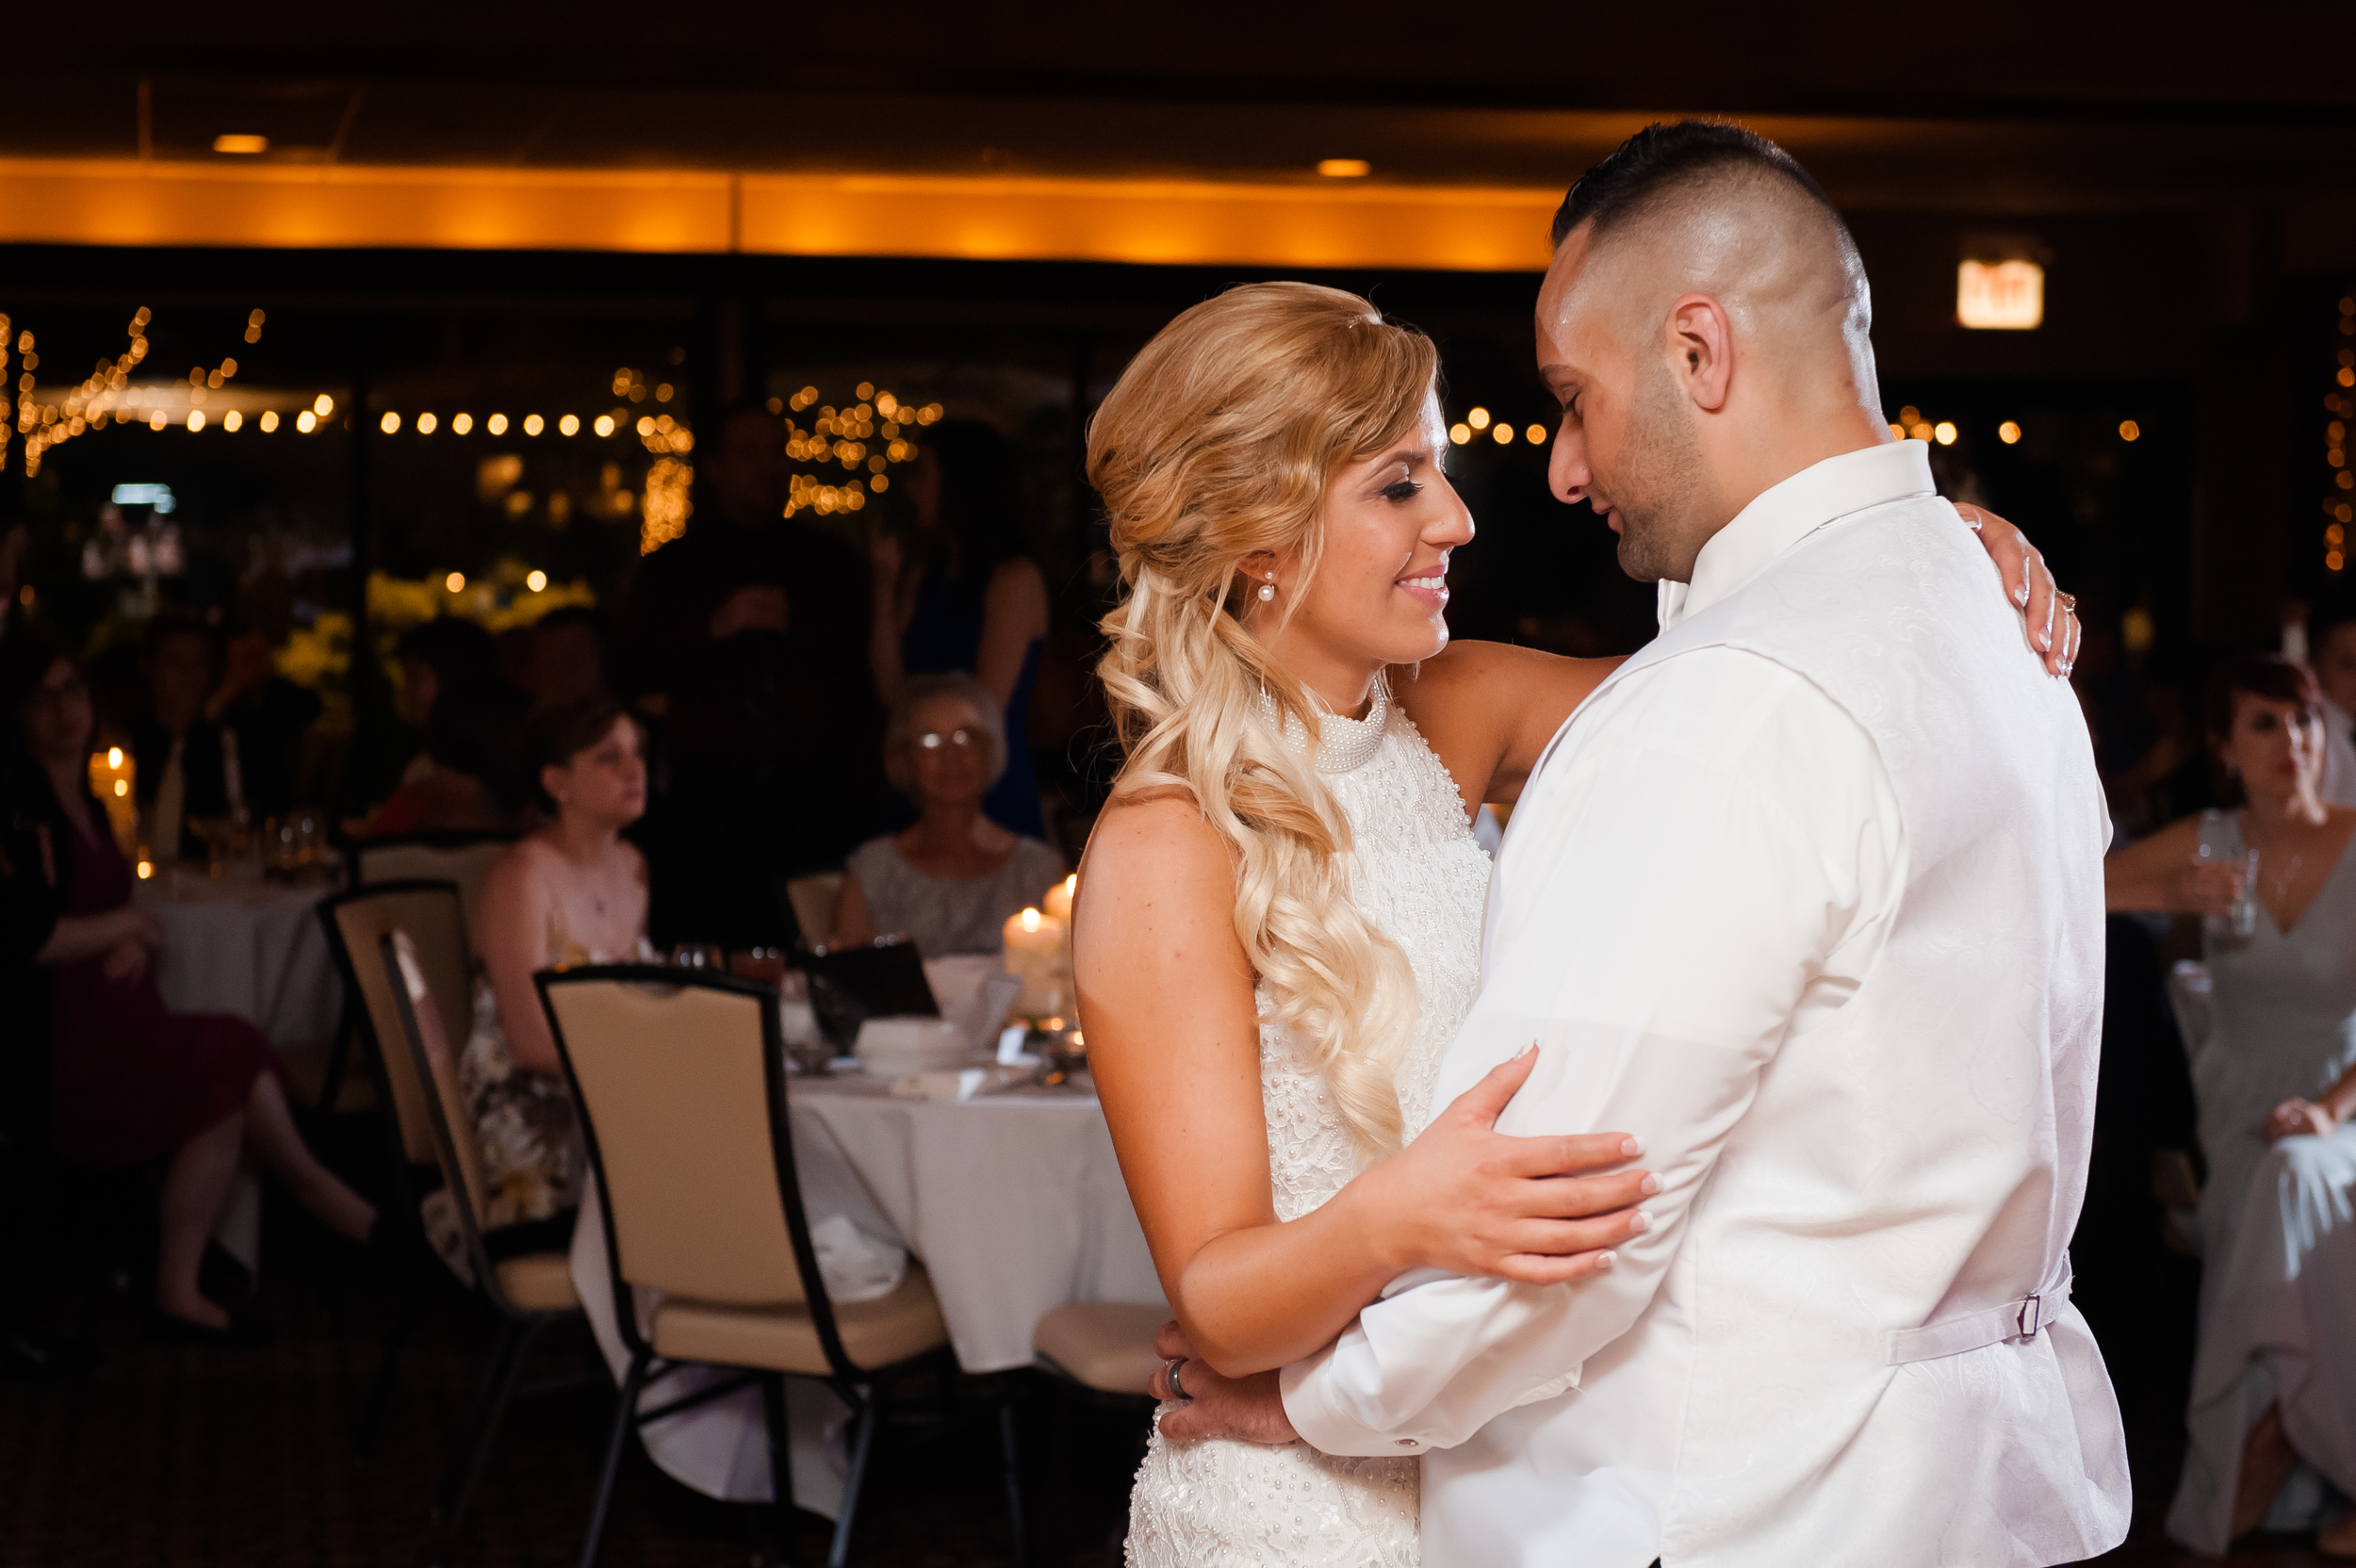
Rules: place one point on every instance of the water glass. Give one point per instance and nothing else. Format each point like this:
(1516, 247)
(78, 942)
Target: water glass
(2242, 920)
(708, 955)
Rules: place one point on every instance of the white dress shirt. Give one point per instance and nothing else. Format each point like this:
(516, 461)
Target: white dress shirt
(1696, 883)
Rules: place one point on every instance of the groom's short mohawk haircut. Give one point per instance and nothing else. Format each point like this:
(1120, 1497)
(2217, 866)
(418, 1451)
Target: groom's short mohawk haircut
(1660, 159)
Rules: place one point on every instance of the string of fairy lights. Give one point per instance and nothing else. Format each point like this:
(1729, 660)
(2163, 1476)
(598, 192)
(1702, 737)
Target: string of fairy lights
(2341, 405)
(863, 438)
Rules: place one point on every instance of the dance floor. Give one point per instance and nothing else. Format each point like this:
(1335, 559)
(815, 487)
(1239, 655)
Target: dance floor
(153, 1455)
(170, 1456)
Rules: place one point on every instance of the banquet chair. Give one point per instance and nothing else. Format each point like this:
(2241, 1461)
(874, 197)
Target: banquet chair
(1104, 1352)
(1103, 1347)
(464, 859)
(813, 900)
(680, 1078)
(530, 1290)
(429, 912)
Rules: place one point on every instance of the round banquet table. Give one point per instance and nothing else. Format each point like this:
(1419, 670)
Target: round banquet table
(1013, 1201)
(250, 949)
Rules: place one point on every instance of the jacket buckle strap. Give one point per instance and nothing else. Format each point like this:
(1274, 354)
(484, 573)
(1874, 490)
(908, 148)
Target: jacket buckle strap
(2020, 1320)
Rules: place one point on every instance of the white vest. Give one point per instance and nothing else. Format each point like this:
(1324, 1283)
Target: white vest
(1842, 1324)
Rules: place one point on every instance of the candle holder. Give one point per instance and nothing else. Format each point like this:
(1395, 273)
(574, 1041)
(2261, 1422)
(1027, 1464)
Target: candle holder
(1061, 1048)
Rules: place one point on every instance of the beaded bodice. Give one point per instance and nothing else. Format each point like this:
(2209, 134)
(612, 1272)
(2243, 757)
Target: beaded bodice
(1420, 878)
(1417, 874)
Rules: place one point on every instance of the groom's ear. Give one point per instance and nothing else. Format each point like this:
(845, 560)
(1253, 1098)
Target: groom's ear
(1701, 349)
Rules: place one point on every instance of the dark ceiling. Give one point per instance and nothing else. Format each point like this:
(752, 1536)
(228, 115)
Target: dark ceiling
(2050, 108)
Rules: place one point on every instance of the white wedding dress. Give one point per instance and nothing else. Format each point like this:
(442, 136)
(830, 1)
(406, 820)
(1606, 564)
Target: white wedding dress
(1422, 879)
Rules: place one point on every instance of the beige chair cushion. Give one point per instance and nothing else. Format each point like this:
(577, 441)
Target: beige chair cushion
(874, 1333)
(674, 1085)
(1107, 1345)
(539, 1281)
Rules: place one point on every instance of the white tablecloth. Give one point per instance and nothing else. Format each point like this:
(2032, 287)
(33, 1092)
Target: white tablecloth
(1013, 1201)
(255, 950)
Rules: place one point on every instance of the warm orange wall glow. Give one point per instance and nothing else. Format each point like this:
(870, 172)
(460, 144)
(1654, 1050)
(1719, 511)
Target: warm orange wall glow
(136, 203)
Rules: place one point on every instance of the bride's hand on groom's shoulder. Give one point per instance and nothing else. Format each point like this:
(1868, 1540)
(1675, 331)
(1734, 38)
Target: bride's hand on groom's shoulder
(1467, 1199)
(1240, 1409)
(2049, 617)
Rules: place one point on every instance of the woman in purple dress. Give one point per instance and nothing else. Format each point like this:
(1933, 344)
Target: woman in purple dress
(133, 1084)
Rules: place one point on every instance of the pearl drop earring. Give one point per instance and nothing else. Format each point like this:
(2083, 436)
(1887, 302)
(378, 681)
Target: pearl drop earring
(1268, 589)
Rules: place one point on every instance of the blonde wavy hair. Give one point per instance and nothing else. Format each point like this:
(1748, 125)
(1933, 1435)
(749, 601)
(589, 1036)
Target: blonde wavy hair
(1218, 443)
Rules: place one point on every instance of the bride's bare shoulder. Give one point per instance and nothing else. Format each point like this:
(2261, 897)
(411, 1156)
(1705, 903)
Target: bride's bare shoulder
(1154, 847)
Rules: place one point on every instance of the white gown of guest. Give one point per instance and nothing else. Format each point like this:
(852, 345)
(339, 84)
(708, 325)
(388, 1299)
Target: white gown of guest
(2278, 1222)
(1421, 878)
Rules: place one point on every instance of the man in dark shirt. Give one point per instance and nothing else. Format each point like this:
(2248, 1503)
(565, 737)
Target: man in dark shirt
(183, 770)
(744, 541)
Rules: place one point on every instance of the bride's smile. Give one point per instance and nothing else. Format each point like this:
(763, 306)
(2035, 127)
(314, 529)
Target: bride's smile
(1373, 592)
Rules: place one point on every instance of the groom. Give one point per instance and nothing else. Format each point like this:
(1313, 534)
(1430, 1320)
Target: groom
(1808, 895)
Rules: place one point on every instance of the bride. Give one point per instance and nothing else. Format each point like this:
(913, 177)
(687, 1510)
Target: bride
(1280, 924)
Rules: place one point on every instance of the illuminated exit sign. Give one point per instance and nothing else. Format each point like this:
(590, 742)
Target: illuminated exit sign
(2000, 296)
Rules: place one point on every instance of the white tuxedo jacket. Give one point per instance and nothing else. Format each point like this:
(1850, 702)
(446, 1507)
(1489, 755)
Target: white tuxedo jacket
(1808, 896)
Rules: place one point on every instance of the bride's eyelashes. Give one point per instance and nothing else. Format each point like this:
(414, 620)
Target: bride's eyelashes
(1405, 490)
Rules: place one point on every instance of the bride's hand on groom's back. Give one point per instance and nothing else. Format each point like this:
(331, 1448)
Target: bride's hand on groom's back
(1469, 1200)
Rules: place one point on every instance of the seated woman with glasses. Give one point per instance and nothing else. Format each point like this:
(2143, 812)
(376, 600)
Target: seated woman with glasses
(948, 883)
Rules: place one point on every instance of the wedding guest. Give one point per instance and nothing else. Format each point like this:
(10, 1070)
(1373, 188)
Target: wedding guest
(270, 715)
(573, 892)
(187, 766)
(768, 778)
(568, 656)
(742, 537)
(467, 774)
(962, 595)
(948, 883)
(133, 1084)
(16, 541)
(2274, 1085)
(2332, 650)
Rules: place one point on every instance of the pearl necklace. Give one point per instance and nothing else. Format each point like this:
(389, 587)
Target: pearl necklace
(1343, 744)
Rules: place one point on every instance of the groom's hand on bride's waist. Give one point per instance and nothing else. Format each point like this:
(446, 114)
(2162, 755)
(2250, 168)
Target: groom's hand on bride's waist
(1242, 1410)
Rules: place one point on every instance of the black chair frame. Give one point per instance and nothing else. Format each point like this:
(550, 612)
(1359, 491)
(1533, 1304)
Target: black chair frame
(409, 1190)
(520, 1329)
(339, 1051)
(863, 1391)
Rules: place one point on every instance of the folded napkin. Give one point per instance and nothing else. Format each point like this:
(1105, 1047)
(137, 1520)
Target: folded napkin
(964, 1084)
(856, 1266)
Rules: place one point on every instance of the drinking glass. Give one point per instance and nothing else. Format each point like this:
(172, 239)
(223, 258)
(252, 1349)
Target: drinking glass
(700, 955)
(2242, 920)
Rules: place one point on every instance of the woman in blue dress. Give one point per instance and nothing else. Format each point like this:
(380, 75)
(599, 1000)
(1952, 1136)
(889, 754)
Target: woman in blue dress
(962, 596)
(2274, 1378)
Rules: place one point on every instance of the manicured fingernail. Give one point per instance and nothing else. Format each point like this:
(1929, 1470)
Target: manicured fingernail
(1525, 1051)
(2020, 595)
(1639, 1220)
(1632, 1146)
(1650, 1185)
(2045, 641)
(2067, 666)
(1605, 1260)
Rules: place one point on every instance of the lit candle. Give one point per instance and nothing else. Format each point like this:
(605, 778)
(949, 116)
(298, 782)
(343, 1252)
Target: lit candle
(112, 774)
(1058, 904)
(1035, 954)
